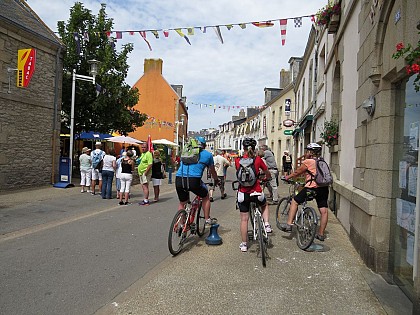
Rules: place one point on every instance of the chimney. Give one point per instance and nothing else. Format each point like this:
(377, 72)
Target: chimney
(284, 78)
(153, 65)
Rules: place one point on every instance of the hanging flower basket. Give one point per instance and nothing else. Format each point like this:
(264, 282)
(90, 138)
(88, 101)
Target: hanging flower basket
(329, 134)
(412, 57)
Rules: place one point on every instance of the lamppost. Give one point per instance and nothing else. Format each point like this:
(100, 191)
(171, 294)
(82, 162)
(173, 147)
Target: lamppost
(93, 71)
(183, 133)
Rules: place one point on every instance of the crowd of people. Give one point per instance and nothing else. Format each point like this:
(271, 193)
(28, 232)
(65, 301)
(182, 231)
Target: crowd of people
(101, 167)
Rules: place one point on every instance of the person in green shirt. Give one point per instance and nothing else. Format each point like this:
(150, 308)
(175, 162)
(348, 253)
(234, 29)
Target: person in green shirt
(145, 172)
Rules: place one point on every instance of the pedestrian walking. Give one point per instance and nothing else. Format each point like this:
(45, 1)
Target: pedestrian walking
(220, 163)
(126, 177)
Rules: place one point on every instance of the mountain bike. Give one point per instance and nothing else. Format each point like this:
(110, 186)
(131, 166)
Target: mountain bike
(259, 232)
(306, 219)
(186, 222)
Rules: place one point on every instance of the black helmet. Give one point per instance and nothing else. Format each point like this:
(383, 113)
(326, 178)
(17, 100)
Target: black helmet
(249, 142)
(314, 147)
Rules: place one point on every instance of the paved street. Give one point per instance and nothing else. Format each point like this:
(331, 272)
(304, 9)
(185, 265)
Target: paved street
(63, 252)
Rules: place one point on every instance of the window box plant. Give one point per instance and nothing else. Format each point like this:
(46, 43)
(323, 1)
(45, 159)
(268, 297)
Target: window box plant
(329, 134)
(330, 16)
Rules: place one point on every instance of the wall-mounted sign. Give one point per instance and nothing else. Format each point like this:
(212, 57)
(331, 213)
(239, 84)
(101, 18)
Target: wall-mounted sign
(25, 66)
(288, 132)
(287, 104)
(288, 123)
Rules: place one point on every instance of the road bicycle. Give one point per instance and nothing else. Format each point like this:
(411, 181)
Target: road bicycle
(306, 219)
(259, 232)
(186, 222)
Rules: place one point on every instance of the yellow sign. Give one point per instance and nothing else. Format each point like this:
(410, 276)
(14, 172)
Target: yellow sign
(26, 66)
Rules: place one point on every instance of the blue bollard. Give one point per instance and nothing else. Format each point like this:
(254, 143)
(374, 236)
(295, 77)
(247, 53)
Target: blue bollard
(213, 238)
(169, 175)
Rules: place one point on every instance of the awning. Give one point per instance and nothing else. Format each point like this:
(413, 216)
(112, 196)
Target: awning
(296, 132)
(306, 121)
(91, 135)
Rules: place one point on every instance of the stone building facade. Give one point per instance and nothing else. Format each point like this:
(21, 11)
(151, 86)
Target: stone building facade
(29, 117)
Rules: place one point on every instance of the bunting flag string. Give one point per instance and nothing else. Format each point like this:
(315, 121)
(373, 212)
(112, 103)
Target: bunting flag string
(215, 107)
(117, 35)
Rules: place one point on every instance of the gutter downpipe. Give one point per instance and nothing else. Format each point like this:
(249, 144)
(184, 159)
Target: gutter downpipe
(54, 139)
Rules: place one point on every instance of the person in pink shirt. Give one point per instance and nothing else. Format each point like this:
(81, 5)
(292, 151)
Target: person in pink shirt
(308, 167)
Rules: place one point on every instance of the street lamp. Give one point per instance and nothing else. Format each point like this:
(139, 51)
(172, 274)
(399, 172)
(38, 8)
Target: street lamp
(93, 71)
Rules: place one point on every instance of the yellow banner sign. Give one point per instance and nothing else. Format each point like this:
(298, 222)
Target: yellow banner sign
(26, 66)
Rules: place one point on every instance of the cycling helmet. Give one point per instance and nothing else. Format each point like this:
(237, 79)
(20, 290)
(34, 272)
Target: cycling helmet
(314, 147)
(249, 142)
(202, 140)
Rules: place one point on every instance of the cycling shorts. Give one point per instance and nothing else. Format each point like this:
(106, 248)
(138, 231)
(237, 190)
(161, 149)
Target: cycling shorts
(321, 196)
(244, 199)
(184, 185)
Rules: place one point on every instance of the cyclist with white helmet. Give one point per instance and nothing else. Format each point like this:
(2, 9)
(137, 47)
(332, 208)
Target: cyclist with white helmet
(308, 167)
(188, 178)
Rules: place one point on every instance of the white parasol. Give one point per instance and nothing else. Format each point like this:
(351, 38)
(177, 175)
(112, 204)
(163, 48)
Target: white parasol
(165, 142)
(124, 139)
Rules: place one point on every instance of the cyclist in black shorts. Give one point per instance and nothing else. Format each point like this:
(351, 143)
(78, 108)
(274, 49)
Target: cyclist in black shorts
(188, 178)
(308, 167)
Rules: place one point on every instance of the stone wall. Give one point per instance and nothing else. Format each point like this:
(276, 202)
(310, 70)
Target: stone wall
(29, 137)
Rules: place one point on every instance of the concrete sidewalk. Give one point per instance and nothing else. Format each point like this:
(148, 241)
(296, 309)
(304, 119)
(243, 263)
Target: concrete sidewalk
(222, 280)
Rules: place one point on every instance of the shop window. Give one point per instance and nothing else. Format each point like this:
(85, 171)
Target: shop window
(404, 220)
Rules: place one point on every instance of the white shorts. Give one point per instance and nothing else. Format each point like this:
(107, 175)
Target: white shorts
(96, 175)
(156, 181)
(145, 179)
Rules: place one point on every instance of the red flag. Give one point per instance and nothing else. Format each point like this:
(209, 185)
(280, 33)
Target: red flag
(283, 26)
(149, 144)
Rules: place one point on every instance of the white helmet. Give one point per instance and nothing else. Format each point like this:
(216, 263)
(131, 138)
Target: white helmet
(314, 147)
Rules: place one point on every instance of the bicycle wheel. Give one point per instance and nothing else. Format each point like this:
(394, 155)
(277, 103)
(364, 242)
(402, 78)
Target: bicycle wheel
(306, 228)
(200, 221)
(282, 211)
(261, 239)
(176, 237)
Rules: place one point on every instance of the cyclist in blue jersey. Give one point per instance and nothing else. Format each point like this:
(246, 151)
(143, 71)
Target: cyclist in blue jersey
(188, 178)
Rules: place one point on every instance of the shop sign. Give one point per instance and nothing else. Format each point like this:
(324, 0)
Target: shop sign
(26, 66)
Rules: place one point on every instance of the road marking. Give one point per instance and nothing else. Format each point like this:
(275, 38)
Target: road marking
(53, 224)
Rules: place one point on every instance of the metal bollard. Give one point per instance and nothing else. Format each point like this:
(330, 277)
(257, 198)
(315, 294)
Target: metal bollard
(213, 238)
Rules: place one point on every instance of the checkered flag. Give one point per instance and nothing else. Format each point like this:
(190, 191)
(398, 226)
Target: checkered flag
(298, 22)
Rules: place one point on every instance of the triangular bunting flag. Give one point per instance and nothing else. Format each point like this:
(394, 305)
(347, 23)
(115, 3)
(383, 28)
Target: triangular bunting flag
(86, 37)
(166, 33)
(203, 29)
(118, 35)
(298, 22)
(242, 25)
(229, 26)
(178, 30)
(218, 33)
(143, 34)
(263, 24)
(156, 34)
(131, 32)
(190, 30)
(283, 26)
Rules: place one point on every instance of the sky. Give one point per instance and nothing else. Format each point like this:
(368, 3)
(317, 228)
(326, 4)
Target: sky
(227, 76)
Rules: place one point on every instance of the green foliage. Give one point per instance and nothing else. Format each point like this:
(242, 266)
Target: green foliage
(329, 134)
(112, 109)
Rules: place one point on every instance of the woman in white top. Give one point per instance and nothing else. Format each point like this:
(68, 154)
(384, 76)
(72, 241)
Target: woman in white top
(108, 170)
(126, 177)
(85, 169)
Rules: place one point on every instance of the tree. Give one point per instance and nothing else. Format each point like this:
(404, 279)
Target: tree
(108, 106)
